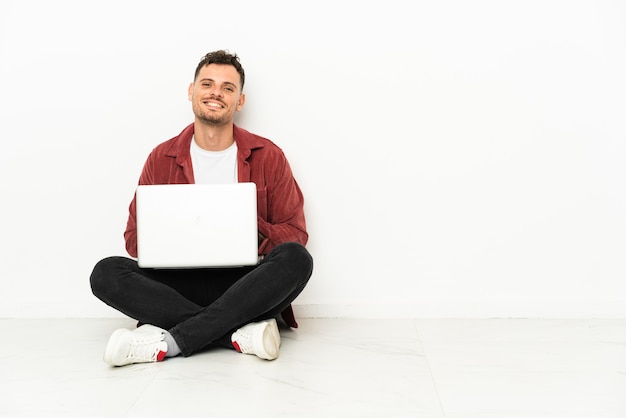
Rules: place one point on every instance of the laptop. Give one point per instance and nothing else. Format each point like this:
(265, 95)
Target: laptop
(197, 225)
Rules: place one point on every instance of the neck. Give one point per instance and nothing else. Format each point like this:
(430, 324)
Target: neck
(213, 137)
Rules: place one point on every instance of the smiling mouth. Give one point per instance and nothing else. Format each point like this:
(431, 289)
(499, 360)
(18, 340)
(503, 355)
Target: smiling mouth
(214, 105)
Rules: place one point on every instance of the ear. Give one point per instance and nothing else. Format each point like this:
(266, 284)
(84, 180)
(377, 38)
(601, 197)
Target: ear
(190, 91)
(242, 100)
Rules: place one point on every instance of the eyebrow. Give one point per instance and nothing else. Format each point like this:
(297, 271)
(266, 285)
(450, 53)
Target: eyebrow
(210, 79)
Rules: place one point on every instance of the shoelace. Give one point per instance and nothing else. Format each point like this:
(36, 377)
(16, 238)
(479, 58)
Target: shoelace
(144, 349)
(244, 343)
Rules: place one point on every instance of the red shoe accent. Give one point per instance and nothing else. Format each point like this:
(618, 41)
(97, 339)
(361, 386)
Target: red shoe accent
(236, 346)
(161, 355)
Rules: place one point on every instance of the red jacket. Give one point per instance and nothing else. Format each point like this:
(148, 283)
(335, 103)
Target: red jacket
(279, 199)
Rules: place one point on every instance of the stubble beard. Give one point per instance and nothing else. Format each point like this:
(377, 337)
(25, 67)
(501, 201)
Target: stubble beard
(209, 119)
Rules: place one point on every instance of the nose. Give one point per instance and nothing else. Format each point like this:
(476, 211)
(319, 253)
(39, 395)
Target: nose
(216, 92)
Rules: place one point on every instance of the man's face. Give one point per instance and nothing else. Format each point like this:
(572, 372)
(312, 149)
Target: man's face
(216, 94)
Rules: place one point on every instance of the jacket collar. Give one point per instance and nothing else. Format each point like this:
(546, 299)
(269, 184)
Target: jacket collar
(179, 146)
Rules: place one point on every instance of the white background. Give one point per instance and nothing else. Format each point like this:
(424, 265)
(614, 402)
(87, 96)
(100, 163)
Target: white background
(458, 158)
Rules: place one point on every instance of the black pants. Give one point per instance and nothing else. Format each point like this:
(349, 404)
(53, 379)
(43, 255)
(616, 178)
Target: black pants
(200, 307)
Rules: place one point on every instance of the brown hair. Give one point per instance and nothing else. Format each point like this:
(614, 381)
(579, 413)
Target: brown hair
(221, 57)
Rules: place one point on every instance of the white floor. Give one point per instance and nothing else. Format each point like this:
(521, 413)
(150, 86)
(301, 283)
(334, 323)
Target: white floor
(328, 368)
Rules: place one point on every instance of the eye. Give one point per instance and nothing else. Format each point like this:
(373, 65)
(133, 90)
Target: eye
(230, 89)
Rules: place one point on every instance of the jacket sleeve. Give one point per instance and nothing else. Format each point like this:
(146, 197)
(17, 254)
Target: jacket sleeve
(130, 234)
(285, 220)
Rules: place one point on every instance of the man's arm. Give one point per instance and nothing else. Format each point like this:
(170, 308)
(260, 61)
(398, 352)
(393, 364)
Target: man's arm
(130, 234)
(285, 211)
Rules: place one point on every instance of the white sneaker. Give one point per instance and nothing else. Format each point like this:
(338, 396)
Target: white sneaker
(143, 345)
(259, 338)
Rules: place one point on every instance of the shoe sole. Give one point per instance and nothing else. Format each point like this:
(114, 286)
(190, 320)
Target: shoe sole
(271, 341)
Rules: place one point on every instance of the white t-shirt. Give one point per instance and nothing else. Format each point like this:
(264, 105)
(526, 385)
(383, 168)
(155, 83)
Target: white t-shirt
(214, 167)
